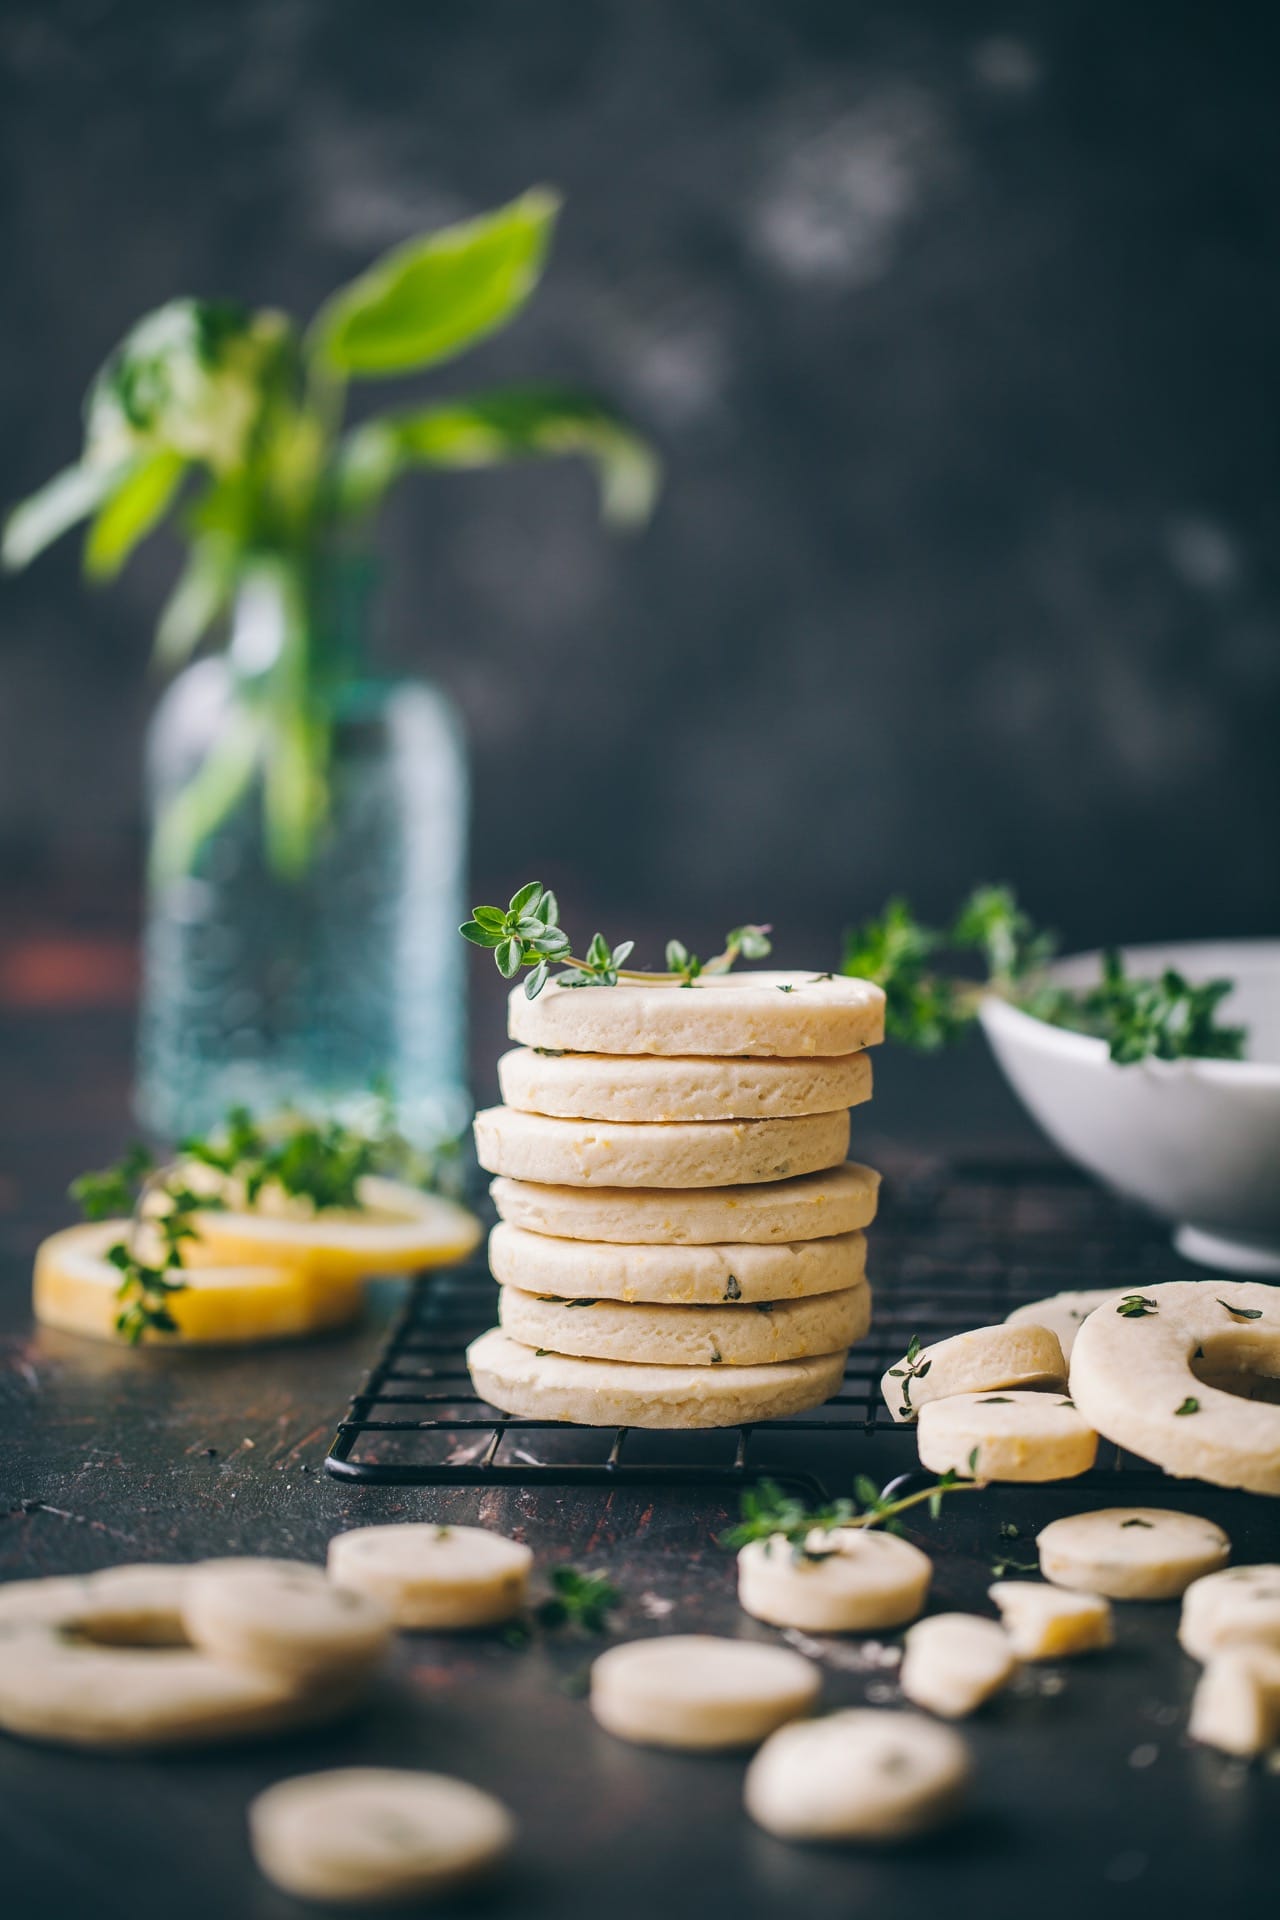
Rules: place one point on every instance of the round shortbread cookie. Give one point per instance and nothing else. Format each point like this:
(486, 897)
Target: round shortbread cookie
(1062, 1313)
(1239, 1607)
(101, 1663)
(1047, 1623)
(1132, 1378)
(283, 1617)
(371, 1836)
(848, 1580)
(697, 1692)
(790, 1016)
(980, 1361)
(610, 1393)
(953, 1662)
(434, 1577)
(612, 1086)
(678, 1275)
(750, 1335)
(858, 1775)
(1006, 1436)
(686, 1153)
(812, 1207)
(1131, 1553)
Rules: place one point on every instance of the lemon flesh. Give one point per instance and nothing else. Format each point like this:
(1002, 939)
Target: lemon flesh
(396, 1229)
(229, 1304)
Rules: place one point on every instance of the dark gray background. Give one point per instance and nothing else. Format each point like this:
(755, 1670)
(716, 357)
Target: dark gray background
(957, 326)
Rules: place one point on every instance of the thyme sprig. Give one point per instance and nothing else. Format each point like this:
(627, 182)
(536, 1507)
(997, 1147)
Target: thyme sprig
(527, 933)
(914, 1367)
(158, 1202)
(928, 1004)
(768, 1513)
(1000, 1569)
(582, 1600)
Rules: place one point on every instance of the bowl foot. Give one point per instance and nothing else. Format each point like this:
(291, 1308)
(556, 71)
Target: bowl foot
(1227, 1255)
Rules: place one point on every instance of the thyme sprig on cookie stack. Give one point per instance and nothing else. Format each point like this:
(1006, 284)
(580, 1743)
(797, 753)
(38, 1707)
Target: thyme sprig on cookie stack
(528, 934)
(681, 1160)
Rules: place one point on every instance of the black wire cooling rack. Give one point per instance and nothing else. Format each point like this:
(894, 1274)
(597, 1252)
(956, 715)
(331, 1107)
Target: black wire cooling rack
(957, 1244)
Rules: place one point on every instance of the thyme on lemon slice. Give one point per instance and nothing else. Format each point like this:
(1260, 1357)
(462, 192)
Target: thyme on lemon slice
(322, 1161)
(157, 1201)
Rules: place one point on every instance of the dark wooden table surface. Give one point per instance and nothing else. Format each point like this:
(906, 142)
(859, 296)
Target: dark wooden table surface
(1088, 1797)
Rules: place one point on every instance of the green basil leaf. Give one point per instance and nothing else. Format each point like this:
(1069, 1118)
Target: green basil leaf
(492, 429)
(137, 505)
(438, 294)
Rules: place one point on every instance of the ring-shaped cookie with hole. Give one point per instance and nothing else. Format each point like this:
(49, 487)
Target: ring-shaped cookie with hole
(104, 1662)
(1134, 1377)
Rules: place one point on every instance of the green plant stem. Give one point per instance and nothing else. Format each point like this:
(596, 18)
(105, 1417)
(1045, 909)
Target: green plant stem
(721, 963)
(199, 808)
(896, 1507)
(239, 416)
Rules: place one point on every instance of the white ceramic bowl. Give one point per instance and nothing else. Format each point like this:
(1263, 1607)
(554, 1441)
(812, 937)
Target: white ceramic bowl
(1196, 1140)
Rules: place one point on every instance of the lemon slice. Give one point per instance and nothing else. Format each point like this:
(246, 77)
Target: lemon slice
(230, 1305)
(395, 1229)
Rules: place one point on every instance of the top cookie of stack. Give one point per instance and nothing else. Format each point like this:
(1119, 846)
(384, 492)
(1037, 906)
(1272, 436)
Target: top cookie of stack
(680, 1238)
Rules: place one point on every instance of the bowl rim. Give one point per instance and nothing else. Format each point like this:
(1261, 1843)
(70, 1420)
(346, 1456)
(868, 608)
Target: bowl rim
(1193, 956)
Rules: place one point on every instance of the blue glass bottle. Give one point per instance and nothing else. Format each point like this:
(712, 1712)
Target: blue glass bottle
(311, 980)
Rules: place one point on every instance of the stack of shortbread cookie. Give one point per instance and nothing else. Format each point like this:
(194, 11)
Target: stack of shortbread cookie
(680, 1242)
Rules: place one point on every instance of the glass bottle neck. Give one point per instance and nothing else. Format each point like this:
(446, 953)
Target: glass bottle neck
(302, 622)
